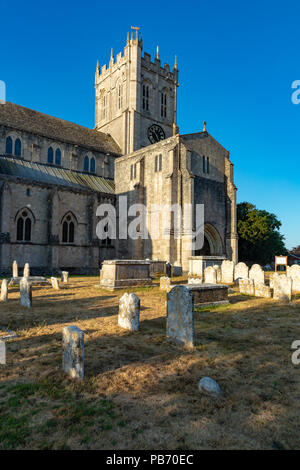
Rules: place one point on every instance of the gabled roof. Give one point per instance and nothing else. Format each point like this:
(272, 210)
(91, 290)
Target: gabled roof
(25, 119)
(36, 172)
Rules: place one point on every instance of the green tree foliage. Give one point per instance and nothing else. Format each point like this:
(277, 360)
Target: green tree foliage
(259, 236)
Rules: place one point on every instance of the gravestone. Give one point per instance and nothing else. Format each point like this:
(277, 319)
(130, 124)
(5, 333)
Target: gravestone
(294, 272)
(25, 293)
(64, 276)
(26, 272)
(2, 352)
(164, 283)
(227, 268)
(194, 280)
(4, 290)
(180, 316)
(282, 288)
(73, 352)
(261, 290)
(129, 312)
(218, 272)
(257, 274)
(177, 269)
(246, 286)
(210, 275)
(168, 269)
(55, 283)
(241, 271)
(15, 272)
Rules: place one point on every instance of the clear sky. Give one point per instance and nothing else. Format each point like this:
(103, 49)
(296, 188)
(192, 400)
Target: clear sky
(237, 61)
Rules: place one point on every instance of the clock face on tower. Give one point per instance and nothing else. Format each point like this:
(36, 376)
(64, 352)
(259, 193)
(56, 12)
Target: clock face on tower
(155, 133)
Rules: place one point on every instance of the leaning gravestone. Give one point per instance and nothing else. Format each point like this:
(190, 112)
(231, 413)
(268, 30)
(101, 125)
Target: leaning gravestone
(210, 386)
(26, 272)
(257, 274)
(164, 283)
(73, 352)
(210, 275)
(15, 271)
(227, 268)
(294, 272)
(64, 276)
(55, 283)
(25, 293)
(261, 290)
(180, 316)
(241, 271)
(282, 288)
(4, 290)
(129, 312)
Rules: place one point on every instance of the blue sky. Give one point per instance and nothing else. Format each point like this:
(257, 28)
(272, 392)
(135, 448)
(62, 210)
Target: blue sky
(237, 61)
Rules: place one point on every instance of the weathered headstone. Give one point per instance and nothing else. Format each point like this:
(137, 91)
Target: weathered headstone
(246, 286)
(4, 290)
(164, 283)
(64, 276)
(73, 352)
(282, 288)
(241, 271)
(180, 316)
(25, 292)
(219, 272)
(210, 275)
(26, 272)
(294, 272)
(227, 268)
(15, 271)
(261, 290)
(257, 274)
(55, 283)
(129, 312)
(2, 352)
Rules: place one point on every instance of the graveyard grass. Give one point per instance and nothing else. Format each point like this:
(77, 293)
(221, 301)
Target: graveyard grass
(140, 391)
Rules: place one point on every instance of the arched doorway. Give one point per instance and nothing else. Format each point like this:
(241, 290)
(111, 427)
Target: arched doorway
(212, 242)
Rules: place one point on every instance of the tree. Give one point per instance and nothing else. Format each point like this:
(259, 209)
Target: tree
(259, 236)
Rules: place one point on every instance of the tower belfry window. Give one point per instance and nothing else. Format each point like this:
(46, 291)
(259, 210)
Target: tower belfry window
(163, 105)
(146, 97)
(120, 96)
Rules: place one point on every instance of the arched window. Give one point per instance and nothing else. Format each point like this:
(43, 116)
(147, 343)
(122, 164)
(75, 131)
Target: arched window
(68, 229)
(18, 148)
(9, 146)
(86, 163)
(50, 155)
(92, 165)
(57, 157)
(24, 225)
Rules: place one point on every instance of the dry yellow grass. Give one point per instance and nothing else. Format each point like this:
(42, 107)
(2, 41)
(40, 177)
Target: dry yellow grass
(140, 391)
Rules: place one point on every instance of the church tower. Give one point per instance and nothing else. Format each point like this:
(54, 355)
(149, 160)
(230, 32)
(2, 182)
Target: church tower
(136, 98)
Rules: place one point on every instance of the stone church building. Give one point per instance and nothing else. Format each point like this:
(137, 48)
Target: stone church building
(54, 174)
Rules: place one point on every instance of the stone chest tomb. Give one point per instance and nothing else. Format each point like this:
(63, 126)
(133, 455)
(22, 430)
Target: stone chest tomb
(117, 274)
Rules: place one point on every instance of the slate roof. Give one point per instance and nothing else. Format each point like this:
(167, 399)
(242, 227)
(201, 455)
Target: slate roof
(40, 173)
(25, 119)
